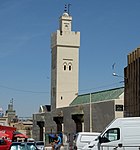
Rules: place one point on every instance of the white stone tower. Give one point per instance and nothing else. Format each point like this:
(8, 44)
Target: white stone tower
(65, 63)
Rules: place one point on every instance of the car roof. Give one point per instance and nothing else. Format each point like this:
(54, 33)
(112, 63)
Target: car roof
(22, 143)
(90, 133)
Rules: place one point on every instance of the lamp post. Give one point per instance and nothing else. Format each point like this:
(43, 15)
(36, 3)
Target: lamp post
(116, 75)
(90, 114)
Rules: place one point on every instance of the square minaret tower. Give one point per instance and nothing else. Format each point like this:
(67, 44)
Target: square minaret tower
(65, 63)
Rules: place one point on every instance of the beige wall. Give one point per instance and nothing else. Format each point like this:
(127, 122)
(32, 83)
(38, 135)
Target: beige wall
(4, 121)
(67, 80)
(120, 101)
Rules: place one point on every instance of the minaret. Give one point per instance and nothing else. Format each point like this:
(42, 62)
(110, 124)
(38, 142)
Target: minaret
(10, 113)
(65, 63)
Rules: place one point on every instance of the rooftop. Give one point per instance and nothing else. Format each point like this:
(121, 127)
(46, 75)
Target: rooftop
(98, 96)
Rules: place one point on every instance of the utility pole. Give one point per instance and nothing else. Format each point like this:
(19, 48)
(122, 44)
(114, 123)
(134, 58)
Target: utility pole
(90, 114)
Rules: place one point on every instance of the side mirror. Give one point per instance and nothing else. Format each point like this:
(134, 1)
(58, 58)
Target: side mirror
(100, 139)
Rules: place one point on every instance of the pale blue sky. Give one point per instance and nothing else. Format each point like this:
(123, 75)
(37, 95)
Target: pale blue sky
(110, 29)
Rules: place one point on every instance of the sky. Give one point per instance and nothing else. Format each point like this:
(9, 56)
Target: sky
(110, 30)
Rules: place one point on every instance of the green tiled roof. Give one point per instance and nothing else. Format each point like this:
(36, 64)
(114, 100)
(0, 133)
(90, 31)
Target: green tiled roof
(98, 96)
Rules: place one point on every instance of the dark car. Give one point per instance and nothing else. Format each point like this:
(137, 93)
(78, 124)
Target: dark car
(23, 146)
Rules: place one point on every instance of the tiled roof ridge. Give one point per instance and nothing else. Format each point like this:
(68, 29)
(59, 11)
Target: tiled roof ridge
(103, 95)
(112, 89)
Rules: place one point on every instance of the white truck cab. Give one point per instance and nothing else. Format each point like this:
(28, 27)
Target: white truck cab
(121, 134)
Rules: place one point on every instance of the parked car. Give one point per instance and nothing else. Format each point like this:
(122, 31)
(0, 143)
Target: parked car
(83, 138)
(23, 145)
(40, 145)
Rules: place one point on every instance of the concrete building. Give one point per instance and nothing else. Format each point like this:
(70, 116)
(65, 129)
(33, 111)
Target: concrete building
(4, 121)
(105, 106)
(23, 125)
(132, 84)
(69, 112)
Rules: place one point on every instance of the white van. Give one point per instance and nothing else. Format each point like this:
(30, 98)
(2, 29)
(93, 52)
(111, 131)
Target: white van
(121, 134)
(84, 138)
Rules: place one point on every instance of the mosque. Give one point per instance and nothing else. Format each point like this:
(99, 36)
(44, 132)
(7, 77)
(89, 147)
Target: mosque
(70, 112)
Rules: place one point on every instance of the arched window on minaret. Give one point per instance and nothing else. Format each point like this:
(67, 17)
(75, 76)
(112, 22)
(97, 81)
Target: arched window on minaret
(70, 66)
(64, 66)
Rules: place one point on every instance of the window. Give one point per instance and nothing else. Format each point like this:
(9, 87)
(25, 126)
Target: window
(119, 107)
(111, 135)
(2, 142)
(67, 66)
(66, 26)
(64, 66)
(70, 66)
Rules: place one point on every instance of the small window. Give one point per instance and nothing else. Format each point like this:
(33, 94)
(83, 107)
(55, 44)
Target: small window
(2, 142)
(65, 67)
(70, 66)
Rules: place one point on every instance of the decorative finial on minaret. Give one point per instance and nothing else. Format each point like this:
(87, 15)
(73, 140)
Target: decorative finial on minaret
(11, 101)
(67, 8)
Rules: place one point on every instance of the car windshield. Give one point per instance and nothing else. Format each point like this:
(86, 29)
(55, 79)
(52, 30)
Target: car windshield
(39, 143)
